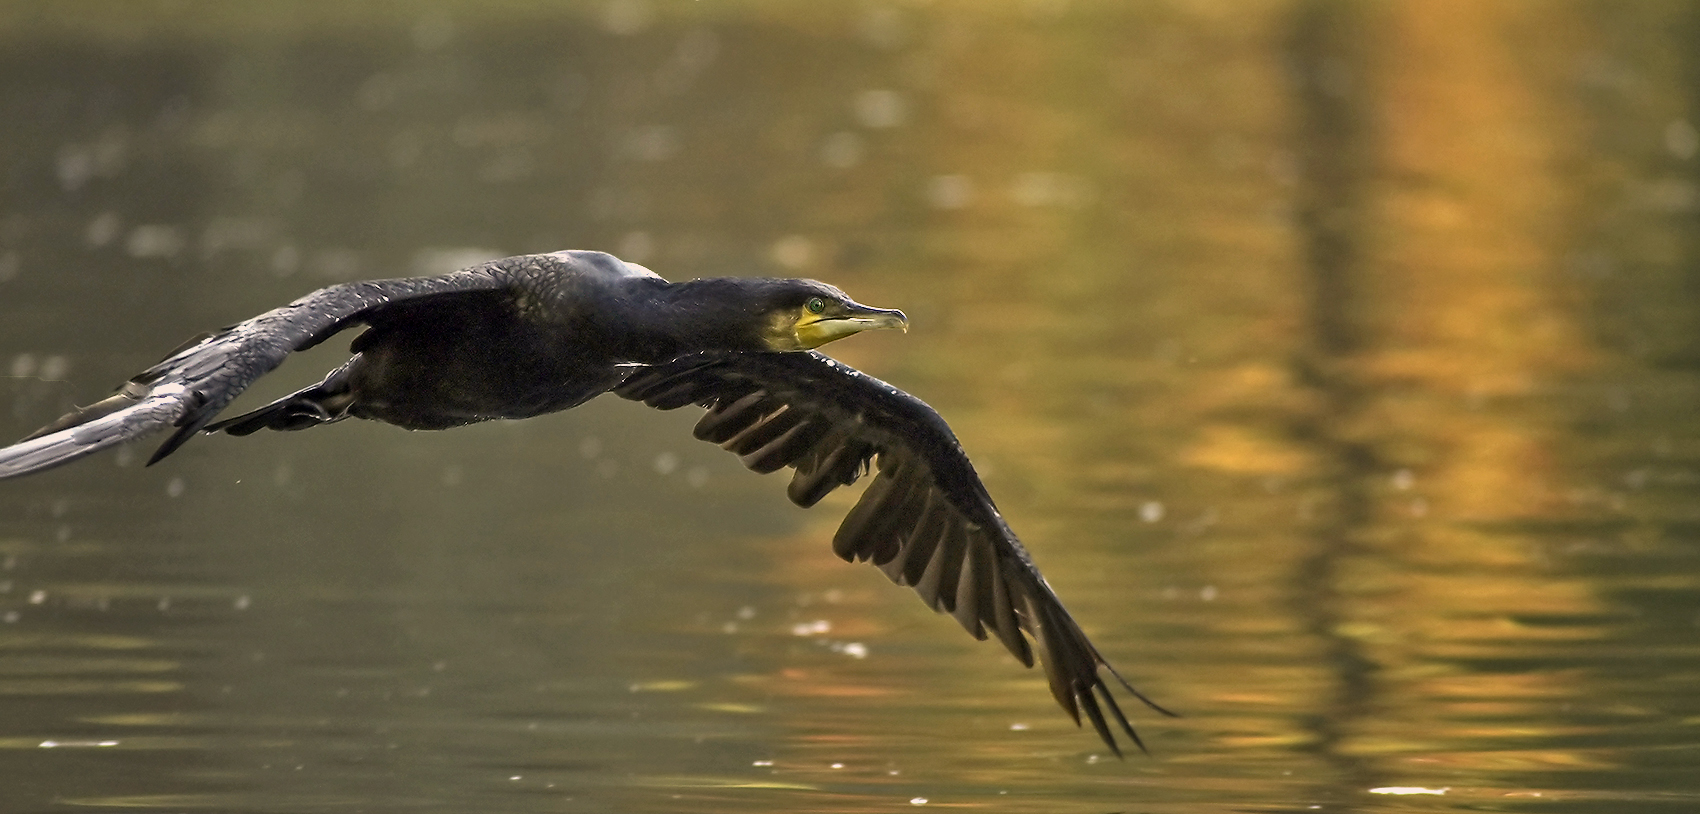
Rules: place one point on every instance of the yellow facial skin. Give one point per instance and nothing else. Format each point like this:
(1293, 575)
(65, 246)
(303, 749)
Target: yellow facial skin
(822, 320)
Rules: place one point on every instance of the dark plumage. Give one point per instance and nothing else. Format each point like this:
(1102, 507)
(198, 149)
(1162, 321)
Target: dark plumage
(534, 334)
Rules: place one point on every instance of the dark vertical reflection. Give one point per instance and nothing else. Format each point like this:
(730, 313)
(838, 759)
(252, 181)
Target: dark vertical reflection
(1685, 29)
(1638, 253)
(1635, 246)
(1446, 350)
(1682, 326)
(1332, 128)
(1317, 457)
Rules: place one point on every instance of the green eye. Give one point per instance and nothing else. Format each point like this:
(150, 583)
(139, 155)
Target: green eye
(815, 305)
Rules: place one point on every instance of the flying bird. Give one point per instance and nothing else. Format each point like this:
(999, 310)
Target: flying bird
(534, 334)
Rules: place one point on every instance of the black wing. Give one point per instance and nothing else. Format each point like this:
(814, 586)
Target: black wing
(196, 381)
(926, 520)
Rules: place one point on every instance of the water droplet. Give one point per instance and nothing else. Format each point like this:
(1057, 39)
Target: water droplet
(841, 150)
(154, 240)
(54, 368)
(666, 463)
(1681, 139)
(1048, 189)
(794, 252)
(627, 17)
(285, 260)
(949, 191)
(76, 165)
(656, 142)
(879, 108)
(1151, 511)
(103, 229)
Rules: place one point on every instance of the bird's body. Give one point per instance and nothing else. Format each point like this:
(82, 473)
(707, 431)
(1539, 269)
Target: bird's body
(541, 342)
(534, 334)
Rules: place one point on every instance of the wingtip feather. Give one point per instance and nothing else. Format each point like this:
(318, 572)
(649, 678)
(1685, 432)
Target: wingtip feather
(1096, 715)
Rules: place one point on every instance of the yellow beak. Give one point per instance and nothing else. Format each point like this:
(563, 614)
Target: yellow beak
(814, 331)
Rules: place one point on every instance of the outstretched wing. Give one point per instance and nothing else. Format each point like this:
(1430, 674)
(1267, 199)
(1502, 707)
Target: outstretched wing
(926, 520)
(189, 387)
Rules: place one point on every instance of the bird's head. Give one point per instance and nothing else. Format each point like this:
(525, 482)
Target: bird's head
(806, 314)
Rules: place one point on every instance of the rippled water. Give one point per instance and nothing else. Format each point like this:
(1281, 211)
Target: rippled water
(1336, 361)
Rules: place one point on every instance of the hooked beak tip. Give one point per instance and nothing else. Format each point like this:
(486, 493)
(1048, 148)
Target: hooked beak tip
(891, 319)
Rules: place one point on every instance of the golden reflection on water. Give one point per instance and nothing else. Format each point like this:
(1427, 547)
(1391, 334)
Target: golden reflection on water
(1463, 324)
(1335, 360)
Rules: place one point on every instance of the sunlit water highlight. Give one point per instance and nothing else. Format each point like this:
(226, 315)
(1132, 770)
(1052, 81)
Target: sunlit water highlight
(1337, 362)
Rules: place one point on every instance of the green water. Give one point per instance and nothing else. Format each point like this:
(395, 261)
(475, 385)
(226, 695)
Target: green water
(1338, 362)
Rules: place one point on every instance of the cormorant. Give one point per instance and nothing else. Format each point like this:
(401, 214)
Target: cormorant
(534, 334)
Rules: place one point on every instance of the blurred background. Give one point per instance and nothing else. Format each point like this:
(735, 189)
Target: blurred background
(1337, 361)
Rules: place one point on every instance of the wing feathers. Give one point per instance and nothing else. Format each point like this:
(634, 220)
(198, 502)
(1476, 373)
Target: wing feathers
(839, 467)
(863, 532)
(1116, 710)
(1089, 703)
(1055, 659)
(675, 397)
(728, 418)
(970, 580)
(939, 580)
(192, 384)
(899, 520)
(918, 545)
(925, 520)
(788, 447)
(1003, 621)
(764, 430)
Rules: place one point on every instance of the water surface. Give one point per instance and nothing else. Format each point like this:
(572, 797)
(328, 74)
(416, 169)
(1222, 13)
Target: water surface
(1337, 362)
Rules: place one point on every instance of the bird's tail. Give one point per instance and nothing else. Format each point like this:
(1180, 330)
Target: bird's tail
(322, 403)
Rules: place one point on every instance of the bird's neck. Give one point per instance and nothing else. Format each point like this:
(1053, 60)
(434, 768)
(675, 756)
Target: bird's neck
(663, 319)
